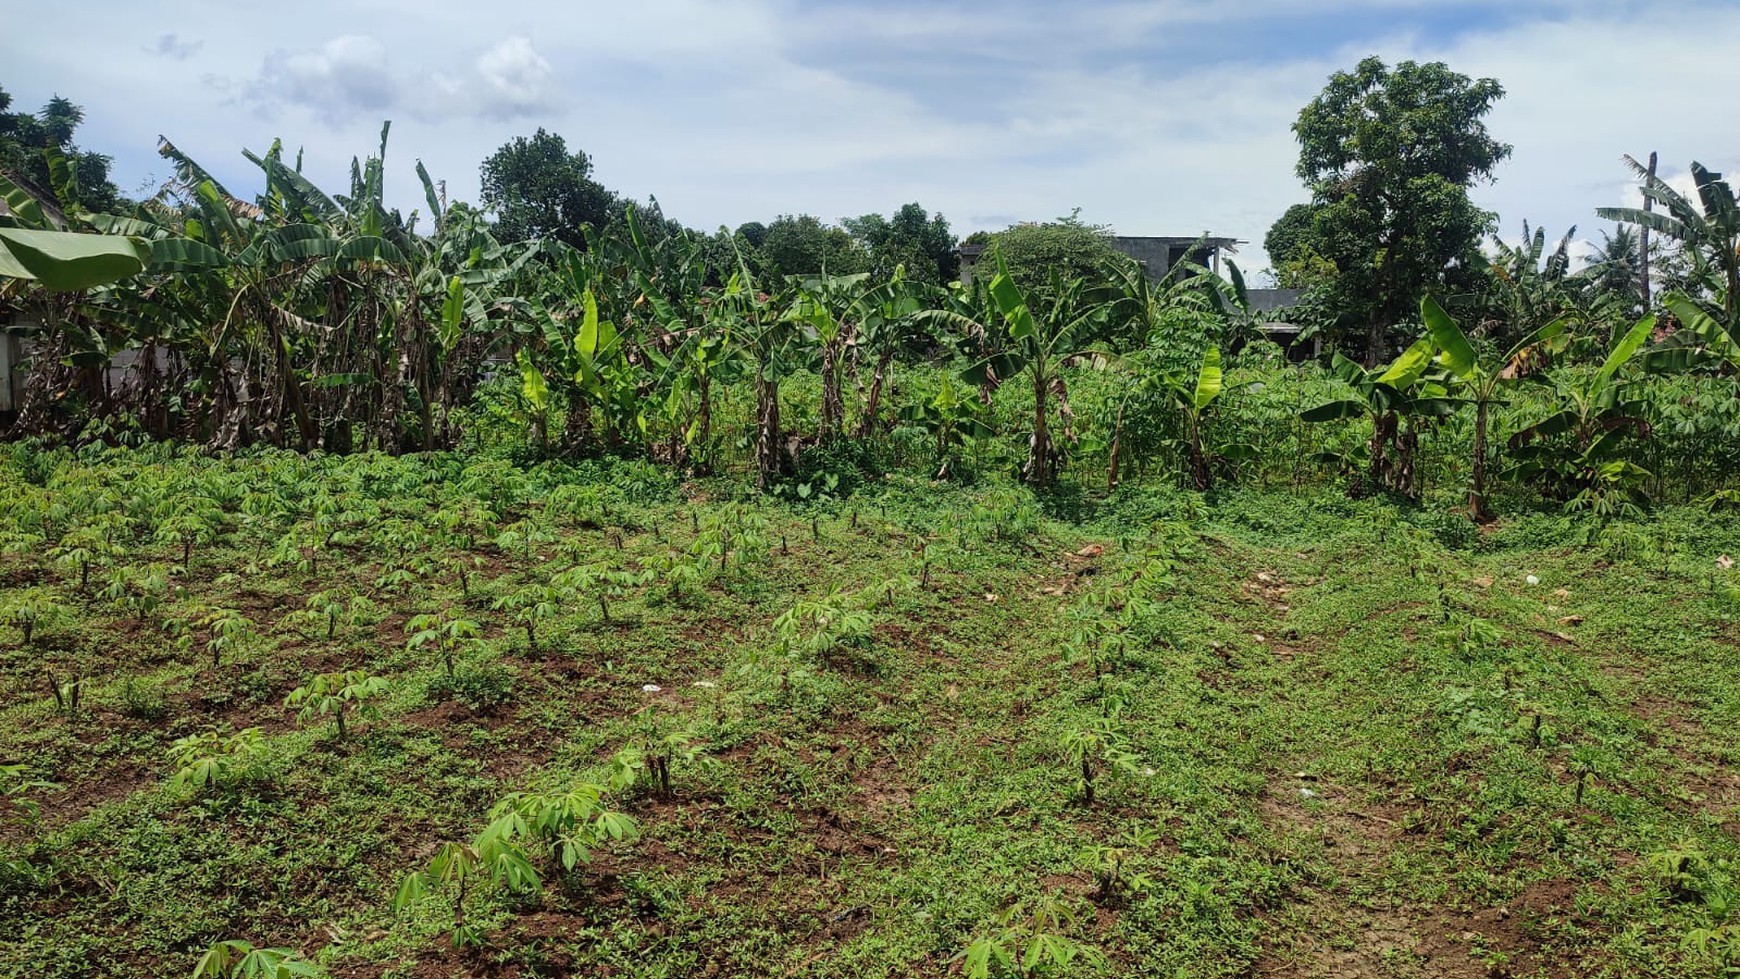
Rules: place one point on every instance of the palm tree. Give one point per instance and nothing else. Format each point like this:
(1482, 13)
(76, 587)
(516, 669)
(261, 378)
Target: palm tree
(1708, 229)
(1616, 267)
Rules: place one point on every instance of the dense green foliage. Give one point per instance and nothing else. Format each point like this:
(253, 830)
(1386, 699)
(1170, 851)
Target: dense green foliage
(864, 737)
(547, 588)
(538, 189)
(34, 145)
(1389, 156)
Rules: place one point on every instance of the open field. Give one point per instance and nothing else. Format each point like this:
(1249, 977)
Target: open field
(1322, 737)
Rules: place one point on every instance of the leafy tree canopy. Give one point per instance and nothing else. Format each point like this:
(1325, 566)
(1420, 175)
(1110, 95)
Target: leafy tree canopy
(24, 138)
(803, 245)
(537, 188)
(1389, 155)
(911, 238)
(1068, 246)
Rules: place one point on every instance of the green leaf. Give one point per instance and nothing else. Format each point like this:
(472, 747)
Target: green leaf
(452, 313)
(1457, 353)
(1718, 342)
(185, 255)
(411, 891)
(371, 248)
(1408, 367)
(586, 341)
(429, 195)
(532, 385)
(23, 206)
(1013, 306)
(1622, 351)
(1208, 379)
(63, 261)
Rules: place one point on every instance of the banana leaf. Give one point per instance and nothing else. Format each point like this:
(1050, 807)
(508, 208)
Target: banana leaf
(62, 261)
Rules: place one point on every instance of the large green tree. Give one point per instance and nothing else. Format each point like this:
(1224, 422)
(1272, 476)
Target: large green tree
(912, 238)
(804, 245)
(1389, 155)
(538, 189)
(1067, 249)
(1293, 254)
(28, 140)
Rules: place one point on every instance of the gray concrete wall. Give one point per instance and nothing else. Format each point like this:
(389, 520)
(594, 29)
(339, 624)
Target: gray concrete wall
(1269, 300)
(1155, 254)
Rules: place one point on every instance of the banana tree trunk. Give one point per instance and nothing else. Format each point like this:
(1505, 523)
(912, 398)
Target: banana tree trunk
(1477, 507)
(768, 437)
(1117, 450)
(1406, 476)
(873, 402)
(833, 401)
(1199, 472)
(1039, 463)
(1383, 429)
(577, 433)
(36, 407)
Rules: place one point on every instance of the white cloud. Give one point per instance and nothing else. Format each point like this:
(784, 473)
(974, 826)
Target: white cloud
(515, 77)
(343, 78)
(1160, 116)
(352, 78)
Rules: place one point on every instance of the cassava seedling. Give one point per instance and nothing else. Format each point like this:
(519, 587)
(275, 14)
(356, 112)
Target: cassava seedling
(1093, 749)
(336, 694)
(235, 959)
(654, 754)
(1027, 942)
(445, 631)
(603, 583)
(30, 611)
(226, 631)
(534, 604)
(206, 760)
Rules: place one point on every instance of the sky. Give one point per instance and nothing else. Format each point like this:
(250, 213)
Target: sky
(1165, 117)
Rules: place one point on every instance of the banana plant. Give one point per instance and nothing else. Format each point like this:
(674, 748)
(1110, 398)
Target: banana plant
(757, 323)
(1396, 399)
(887, 318)
(32, 250)
(1192, 401)
(1595, 416)
(1481, 380)
(824, 307)
(1019, 339)
(950, 419)
(688, 347)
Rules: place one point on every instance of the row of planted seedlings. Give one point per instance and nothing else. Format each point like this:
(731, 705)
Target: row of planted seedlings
(1125, 777)
(789, 672)
(1510, 740)
(218, 760)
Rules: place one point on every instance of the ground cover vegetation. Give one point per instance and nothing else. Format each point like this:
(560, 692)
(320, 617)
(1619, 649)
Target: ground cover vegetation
(543, 588)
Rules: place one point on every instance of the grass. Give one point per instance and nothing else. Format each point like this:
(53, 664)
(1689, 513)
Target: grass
(1359, 741)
